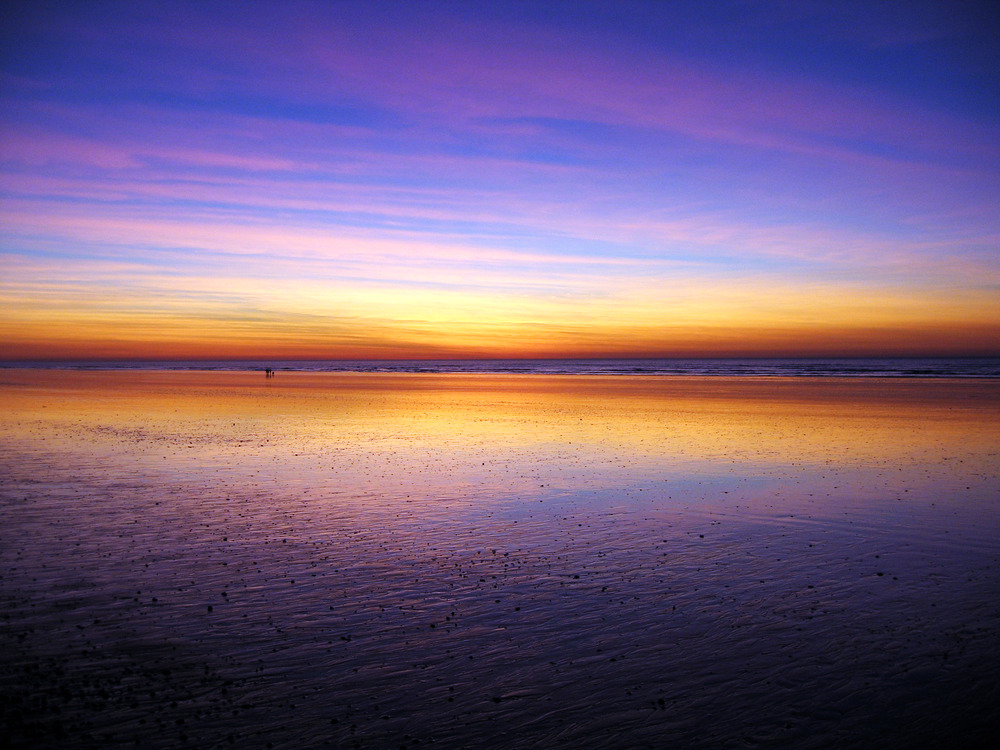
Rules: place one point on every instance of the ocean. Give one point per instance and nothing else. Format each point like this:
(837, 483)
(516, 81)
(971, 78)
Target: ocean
(885, 367)
(215, 559)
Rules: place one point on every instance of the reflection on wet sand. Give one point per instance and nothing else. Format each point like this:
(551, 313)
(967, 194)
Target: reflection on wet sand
(558, 561)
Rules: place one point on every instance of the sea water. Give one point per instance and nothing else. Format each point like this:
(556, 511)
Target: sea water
(217, 559)
(910, 367)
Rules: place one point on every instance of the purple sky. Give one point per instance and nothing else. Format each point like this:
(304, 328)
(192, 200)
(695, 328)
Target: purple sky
(499, 179)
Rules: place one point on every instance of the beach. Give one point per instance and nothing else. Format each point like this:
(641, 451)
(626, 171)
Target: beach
(216, 559)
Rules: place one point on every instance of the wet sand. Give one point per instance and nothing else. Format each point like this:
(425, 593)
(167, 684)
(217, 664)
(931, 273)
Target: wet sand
(347, 560)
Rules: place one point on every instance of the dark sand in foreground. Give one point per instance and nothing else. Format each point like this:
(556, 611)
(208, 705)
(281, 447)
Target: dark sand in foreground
(346, 560)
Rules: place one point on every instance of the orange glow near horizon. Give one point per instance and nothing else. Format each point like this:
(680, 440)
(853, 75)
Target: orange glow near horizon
(191, 343)
(307, 320)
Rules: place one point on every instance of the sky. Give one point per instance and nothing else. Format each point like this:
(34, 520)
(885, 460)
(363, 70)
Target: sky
(499, 179)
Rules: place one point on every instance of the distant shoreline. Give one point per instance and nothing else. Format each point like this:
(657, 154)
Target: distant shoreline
(849, 367)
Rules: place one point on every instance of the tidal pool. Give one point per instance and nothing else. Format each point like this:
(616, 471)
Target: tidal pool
(465, 561)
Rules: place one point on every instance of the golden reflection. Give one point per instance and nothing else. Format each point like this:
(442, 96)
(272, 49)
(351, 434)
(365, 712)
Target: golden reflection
(410, 434)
